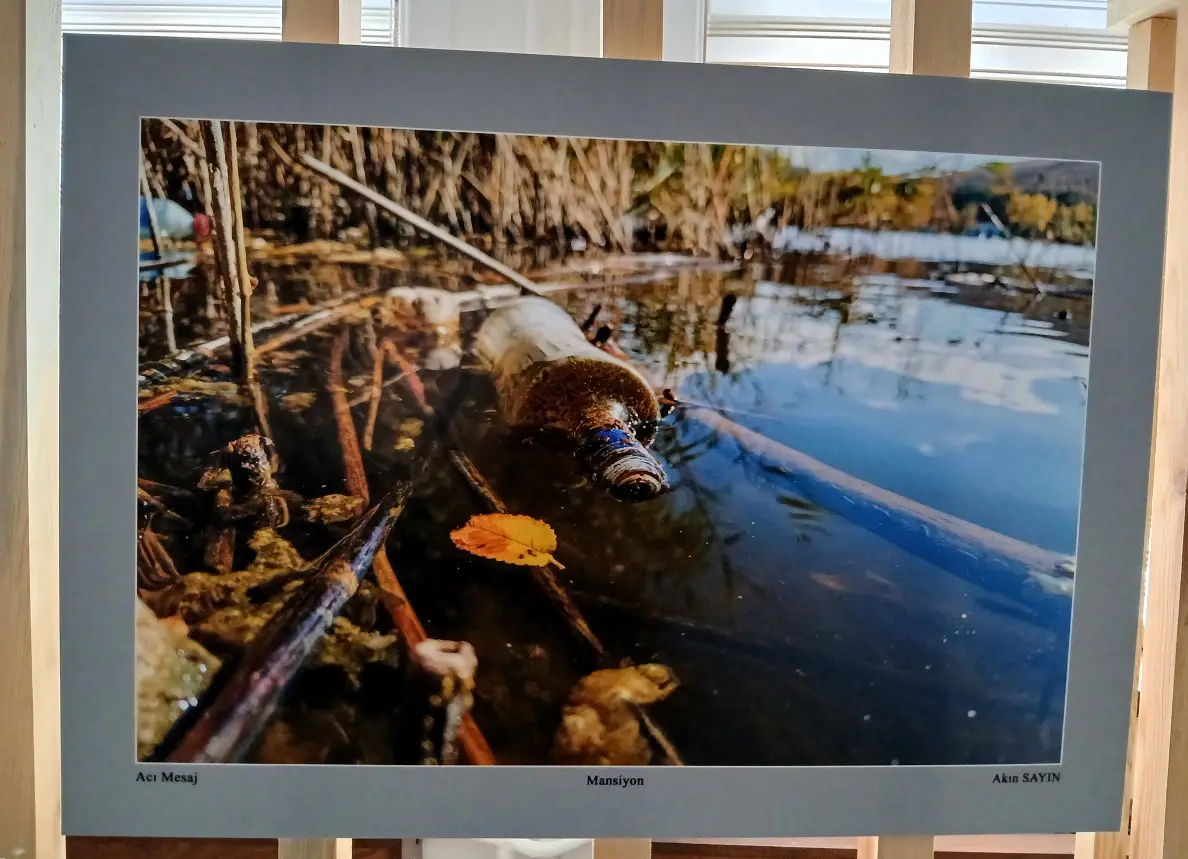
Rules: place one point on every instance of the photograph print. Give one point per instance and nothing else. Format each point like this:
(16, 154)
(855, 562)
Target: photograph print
(474, 449)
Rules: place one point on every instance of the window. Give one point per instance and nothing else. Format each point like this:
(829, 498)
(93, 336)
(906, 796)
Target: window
(215, 19)
(1061, 41)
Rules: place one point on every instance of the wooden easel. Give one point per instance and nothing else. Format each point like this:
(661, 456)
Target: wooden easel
(927, 37)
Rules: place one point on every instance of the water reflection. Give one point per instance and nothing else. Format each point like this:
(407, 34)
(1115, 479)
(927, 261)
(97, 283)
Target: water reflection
(967, 399)
(800, 638)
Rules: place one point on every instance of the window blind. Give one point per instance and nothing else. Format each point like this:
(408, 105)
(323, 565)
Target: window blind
(1061, 41)
(214, 19)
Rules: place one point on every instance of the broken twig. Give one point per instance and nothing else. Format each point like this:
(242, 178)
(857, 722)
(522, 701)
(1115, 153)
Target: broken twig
(420, 223)
(392, 593)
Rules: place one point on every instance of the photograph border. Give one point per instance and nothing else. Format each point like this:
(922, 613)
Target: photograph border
(112, 82)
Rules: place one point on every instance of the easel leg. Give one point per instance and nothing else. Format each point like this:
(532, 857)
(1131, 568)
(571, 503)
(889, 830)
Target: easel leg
(895, 847)
(622, 848)
(1158, 827)
(30, 123)
(313, 848)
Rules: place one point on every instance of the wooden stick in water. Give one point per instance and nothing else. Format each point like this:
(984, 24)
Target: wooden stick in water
(223, 229)
(243, 700)
(250, 378)
(377, 388)
(352, 457)
(360, 162)
(544, 577)
(1001, 564)
(994, 219)
(392, 593)
(420, 223)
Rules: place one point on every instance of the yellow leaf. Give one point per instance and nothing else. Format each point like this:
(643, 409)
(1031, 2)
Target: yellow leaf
(508, 537)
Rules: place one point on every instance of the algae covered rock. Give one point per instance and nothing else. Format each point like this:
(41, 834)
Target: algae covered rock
(172, 670)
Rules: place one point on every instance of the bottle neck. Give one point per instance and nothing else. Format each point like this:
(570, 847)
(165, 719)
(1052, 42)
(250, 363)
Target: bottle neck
(616, 458)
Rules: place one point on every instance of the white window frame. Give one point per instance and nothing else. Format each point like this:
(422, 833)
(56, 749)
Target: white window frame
(1057, 41)
(219, 19)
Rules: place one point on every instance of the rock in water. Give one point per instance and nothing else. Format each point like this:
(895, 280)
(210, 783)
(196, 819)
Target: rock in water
(172, 670)
(599, 726)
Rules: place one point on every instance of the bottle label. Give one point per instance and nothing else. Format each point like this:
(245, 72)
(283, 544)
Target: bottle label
(531, 331)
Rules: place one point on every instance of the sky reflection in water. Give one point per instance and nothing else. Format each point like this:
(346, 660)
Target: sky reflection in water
(845, 648)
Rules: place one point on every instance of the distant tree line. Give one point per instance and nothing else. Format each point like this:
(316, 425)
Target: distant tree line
(506, 190)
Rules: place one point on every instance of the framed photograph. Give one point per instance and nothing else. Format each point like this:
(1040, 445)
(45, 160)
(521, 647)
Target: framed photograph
(532, 445)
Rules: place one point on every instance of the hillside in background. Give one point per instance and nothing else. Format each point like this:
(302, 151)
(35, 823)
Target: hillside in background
(1068, 182)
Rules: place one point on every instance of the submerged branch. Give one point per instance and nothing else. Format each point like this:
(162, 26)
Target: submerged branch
(153, 403)
(392, 593)
(155, 569)
(376, 394)
(243, 699)
(352, 456)
(545, 577)
(994, 561)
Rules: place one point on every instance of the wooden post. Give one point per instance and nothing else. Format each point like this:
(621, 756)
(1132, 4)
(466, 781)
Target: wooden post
(1151, 54)
(313, 848)
(1158, 825)
(330, 21)
(895, 847)
(338, 22)
(1150, 64)
(622, 848)
(931, 37)
(633, 29)
(30, 140)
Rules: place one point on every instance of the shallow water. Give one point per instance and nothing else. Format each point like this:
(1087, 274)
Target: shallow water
(800, 637)
(968, 400)
(931, 247)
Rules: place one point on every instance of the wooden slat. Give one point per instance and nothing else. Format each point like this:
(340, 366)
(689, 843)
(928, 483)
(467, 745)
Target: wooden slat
(313, 848)
(331, 21)
(1150, 64)
(957, 846)
(931, 37)
(633, 29)
(1151, 54)
(30, 140)
(896, 847)
(1121, 14)
(1159, 825)
(170, 848)
(622, 848)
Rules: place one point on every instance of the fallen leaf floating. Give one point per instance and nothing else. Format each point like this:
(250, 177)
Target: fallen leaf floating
(508, 537)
